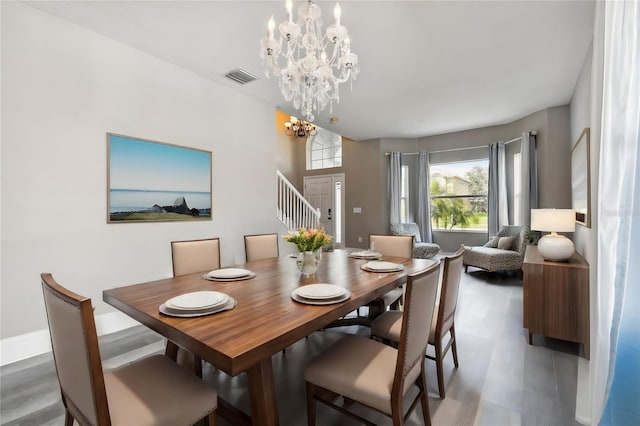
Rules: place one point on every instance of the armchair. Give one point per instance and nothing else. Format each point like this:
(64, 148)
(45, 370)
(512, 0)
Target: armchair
(420, 250)
(505, 251)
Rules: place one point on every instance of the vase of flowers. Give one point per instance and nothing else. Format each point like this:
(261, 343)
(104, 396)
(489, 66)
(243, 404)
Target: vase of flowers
(309, 243)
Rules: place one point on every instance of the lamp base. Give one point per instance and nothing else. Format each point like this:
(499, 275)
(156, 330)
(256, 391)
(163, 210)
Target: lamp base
(556, 248)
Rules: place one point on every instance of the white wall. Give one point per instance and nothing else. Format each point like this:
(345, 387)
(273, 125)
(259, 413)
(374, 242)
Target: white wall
(63, 89)
(586, 112)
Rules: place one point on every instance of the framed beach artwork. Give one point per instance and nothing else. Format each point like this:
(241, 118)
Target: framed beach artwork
(581, 180)
(150, 181)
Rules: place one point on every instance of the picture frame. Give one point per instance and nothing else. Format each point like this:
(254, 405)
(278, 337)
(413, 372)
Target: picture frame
(581, 179)
(152, 181)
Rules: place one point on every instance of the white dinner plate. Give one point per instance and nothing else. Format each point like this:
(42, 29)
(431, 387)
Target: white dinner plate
(320, 291)
(244, 277)
(225, 298)
(366, 254)
(164, 309)
(198, 300)
(295, 296)
(228, 273)
(380, 266)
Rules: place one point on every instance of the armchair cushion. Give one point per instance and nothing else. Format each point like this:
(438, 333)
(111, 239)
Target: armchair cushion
(420, 250)
(505, 243)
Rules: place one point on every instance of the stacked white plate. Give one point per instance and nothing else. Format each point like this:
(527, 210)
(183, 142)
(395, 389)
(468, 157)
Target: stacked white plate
(229, 274)
(365, 254)
(320, 294)
(380, 266)
(197, 304)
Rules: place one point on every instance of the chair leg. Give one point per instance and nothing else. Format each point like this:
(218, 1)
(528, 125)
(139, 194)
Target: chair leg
(311, 406)
(424, 399)
(439, 367)
(68, 418)
(454, 345)
(466, 269)
(211, 419)
(396, 412)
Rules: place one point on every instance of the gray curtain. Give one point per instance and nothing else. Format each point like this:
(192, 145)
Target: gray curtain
(423, 218)
(493, 220)
(528, 179)
(497, 197)
(503, 202)
(395, 186)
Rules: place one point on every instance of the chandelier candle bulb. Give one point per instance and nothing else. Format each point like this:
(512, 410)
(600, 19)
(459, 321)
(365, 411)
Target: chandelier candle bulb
(271, 25)
(336, 13)
(289, 7)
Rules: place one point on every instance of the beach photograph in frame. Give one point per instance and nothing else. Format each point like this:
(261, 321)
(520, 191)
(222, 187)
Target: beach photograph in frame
(150, 181)
(581, 180)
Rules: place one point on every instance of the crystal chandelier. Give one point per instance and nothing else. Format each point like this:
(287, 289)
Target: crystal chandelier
(308, 64)
(299, 128)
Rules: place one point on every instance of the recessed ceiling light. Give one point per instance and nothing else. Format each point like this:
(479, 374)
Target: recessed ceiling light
(334, 120)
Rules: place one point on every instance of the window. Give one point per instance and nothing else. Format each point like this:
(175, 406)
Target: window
(324, 150)
(404, 195)
(459, 194)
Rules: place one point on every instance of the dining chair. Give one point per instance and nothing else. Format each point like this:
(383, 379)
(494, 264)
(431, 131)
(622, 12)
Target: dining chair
(193, 256)
(388, 325)
(261, 246)
(394, 246)
(188, 257)
(374, 374)
(150, 391)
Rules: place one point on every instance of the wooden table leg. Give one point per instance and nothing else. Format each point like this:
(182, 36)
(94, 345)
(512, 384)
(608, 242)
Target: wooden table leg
(262, 392)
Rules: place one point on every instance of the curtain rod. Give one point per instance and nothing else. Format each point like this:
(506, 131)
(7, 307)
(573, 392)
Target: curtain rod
(534, 133)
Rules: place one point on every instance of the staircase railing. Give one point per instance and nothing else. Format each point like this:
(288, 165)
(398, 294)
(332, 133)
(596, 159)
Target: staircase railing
(293, 210)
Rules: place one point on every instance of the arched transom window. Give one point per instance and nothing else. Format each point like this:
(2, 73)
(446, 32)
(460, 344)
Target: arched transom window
(324, 150)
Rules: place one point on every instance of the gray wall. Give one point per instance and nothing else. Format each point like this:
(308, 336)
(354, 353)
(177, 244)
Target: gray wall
(366, 166)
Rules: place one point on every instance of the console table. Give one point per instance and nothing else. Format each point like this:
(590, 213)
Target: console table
(556, 298)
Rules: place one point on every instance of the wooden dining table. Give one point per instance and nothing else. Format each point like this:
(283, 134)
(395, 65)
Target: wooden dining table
(265, 320)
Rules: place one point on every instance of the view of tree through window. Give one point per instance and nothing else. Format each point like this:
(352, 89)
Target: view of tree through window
(459, 195)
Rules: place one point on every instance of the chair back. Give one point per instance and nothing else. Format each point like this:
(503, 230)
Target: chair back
(392, 245)
(419, 304)
(263, 246)
(519, 233)
(409, 228)
(451, 274)
(193, 256)
(76, 353)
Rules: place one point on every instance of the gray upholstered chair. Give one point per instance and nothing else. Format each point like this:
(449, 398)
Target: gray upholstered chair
(420, 250)
(151, 391)
(387, 326)
(504, 251)
(374, 374)
(193, 256)
(262, 246)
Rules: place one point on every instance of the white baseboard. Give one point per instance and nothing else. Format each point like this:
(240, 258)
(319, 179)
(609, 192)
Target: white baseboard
(26, 345)
(583, 393)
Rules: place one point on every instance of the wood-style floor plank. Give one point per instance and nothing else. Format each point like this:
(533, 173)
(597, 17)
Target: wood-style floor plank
(501, 380)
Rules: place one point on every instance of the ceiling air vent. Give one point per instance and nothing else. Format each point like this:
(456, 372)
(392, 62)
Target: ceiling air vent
(241, 76)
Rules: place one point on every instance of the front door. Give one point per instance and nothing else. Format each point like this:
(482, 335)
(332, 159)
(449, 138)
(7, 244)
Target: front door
(326, 192)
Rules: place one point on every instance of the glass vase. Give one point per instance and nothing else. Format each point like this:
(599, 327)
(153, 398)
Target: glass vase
(308, 262)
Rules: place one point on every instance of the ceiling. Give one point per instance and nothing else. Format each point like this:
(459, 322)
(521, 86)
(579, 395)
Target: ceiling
(427, 67)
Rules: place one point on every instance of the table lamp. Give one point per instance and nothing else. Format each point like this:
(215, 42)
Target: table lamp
(553, 246)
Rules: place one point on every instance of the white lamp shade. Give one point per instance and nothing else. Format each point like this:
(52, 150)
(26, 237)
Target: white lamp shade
(553, 220)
